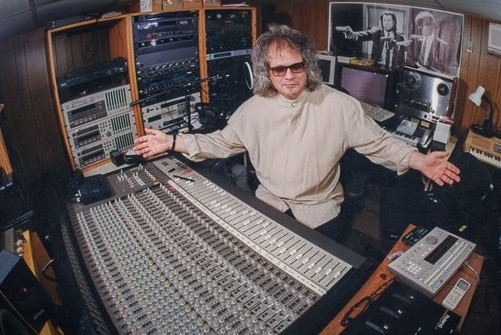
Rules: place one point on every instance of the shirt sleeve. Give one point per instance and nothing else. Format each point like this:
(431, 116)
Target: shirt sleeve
(218, 144)
(377, 144)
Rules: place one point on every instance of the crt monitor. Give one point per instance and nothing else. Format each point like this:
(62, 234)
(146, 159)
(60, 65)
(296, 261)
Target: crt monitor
(368, 84)
(327, 64)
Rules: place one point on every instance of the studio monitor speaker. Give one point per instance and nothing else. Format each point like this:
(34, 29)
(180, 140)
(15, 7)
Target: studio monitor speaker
(24, 304)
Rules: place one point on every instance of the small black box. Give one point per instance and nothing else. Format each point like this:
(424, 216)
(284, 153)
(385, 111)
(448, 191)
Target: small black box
(94, 188)
(403, 310)
(22, 293)
(117, 157)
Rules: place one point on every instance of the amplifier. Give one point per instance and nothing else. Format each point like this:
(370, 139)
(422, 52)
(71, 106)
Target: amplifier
(228, 30)
(91, 73)
(166, 59)
(24, 305)
(72, 19)
(236, 87)
(164, 31)
(98, 124)
(430, 263)
(171, 115)
(97, 106)
(102, 130)
(229, 44)
(102, 149)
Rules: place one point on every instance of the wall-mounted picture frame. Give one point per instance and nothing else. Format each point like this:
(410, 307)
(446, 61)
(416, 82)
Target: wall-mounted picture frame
(393, 36)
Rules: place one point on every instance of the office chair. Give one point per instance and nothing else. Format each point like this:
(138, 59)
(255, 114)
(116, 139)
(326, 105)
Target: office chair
(358, 173)
(355, 178)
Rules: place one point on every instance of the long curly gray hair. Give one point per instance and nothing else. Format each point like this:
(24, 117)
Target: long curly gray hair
(283, 37)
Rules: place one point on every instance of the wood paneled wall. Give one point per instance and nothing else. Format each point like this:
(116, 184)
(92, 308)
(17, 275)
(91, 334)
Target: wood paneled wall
(31, 128)
(477, 67)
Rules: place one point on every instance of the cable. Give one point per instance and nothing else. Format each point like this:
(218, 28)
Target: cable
(45, 267)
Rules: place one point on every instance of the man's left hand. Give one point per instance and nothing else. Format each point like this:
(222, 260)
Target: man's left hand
(436, 167)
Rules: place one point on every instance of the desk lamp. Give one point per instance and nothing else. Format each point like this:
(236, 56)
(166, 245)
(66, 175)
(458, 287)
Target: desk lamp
(486, 128)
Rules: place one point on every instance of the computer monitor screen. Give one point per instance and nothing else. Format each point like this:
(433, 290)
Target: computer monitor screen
(366, 84)
(327, 64)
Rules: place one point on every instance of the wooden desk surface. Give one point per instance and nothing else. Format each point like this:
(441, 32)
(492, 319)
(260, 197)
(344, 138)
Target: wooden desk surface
(382, 275)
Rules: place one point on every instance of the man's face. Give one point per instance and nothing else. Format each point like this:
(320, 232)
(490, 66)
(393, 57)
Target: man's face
(291, 84)
(387, 22)
(425, 26)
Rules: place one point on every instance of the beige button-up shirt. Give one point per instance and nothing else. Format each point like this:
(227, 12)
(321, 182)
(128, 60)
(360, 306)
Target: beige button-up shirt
(295, 147)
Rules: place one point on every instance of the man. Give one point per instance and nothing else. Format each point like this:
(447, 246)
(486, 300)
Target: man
(430, 51)
(295, 131)
(388, 47)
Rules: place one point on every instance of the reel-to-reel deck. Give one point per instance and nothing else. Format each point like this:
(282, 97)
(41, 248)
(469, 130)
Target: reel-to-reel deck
(425, 95)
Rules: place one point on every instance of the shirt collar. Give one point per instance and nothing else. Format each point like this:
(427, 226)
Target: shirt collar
(296, 102)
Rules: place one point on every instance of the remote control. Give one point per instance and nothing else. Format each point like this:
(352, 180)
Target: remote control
(456, 294)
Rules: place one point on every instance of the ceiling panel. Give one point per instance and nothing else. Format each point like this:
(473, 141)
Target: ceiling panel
(13, 8)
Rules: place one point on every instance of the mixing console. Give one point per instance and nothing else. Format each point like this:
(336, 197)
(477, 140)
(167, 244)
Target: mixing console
(171, 252)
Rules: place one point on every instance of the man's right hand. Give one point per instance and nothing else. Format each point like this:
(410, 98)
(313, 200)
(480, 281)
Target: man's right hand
(154, 142)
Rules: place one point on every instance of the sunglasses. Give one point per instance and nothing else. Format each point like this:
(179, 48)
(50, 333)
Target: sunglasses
(280, 71)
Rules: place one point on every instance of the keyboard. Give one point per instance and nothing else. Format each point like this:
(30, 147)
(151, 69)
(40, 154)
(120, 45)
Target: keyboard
(485, 149)
(409, 139)
(412, 133)
(377, 113)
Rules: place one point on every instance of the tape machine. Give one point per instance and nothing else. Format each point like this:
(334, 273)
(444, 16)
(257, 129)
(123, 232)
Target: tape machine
(426, 95)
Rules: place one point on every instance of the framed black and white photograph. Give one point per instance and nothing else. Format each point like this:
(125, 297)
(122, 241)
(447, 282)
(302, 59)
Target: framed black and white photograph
(393, 36)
